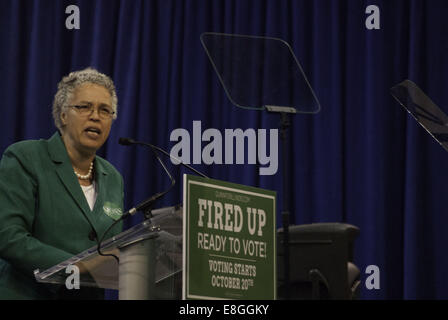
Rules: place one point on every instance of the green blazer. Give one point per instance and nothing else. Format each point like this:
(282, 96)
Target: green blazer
(44, 215)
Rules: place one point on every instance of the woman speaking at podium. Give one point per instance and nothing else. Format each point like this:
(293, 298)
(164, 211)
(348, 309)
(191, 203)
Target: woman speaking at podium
(56, 196)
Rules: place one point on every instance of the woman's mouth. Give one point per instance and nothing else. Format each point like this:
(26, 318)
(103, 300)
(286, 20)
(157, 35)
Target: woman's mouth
(93, 132)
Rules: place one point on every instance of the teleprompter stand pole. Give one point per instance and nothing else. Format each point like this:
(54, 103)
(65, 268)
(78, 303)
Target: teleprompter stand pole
(285, 124)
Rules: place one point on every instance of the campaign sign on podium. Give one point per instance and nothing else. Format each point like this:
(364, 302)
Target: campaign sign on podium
(229, 241)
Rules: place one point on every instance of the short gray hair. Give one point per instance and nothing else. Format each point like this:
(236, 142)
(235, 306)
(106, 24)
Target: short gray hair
(68, 84)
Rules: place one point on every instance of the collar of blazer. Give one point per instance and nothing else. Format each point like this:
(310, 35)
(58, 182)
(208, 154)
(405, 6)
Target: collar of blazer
(64, 169)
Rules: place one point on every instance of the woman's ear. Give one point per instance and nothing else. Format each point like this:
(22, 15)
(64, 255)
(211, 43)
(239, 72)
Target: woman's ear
(63, 117)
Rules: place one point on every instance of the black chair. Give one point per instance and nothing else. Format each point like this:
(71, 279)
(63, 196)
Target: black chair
(321, 262)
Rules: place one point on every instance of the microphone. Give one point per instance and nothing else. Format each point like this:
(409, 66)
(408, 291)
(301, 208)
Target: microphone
(148, 202)
(129, 142)
(145, 205)
(126, 141)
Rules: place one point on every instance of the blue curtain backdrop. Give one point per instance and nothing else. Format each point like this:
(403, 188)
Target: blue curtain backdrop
(361, 160)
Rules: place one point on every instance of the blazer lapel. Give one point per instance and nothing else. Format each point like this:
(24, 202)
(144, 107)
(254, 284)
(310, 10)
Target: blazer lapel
(64, 170)
(101, 182)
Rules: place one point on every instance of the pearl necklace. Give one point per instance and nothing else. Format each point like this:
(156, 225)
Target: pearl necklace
(88, 175)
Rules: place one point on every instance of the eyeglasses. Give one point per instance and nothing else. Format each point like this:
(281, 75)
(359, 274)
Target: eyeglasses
(86, 110)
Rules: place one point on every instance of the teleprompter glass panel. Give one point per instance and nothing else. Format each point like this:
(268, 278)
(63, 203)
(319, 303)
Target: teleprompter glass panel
(423, 109)
(259, 71)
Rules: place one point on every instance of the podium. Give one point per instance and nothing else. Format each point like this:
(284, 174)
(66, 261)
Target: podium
(150, 255)
(191, 251)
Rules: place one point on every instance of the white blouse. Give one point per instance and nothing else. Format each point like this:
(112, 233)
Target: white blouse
(91, 193)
